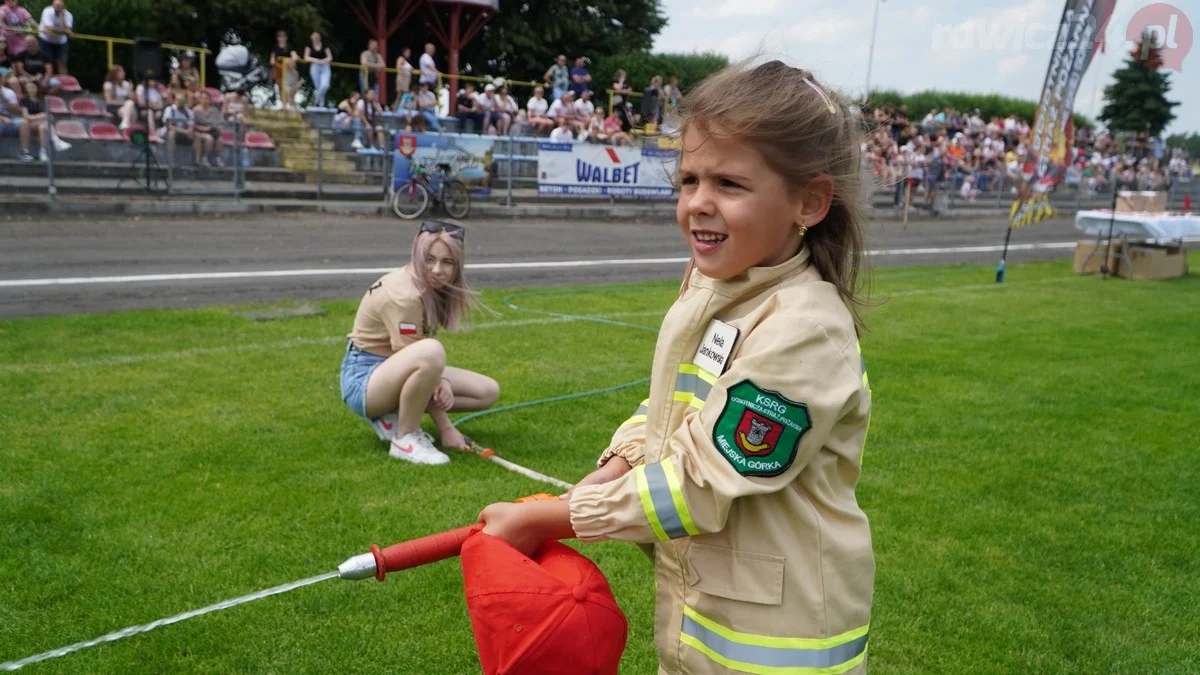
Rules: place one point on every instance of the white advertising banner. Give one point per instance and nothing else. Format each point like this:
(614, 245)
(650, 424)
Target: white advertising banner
(589, 169)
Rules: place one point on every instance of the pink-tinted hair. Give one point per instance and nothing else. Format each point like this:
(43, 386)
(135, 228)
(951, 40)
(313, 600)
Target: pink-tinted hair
(448, 307)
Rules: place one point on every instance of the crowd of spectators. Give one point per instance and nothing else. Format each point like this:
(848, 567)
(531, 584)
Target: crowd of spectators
(952, 150)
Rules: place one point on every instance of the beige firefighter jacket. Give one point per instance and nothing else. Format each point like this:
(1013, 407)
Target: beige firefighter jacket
(391, 315)
(745, 461)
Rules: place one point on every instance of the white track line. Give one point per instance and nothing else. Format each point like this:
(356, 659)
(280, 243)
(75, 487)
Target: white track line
(499, 266)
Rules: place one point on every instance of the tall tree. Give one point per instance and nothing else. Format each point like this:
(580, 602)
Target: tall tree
(1137, 99)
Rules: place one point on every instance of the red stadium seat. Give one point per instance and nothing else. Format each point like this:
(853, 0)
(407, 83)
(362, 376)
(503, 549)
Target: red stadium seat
(69, 84)
(226, 137)
(103, 131)
(128, 132)
(86, 107)
(71, 130)
(259, 140)
(56, 105)
(214, 94)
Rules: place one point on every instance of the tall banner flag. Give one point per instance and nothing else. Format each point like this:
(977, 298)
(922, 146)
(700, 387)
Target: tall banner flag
(1052, 139)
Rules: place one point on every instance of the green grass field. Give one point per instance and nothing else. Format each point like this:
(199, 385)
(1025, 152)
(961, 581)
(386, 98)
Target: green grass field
(1031, 478)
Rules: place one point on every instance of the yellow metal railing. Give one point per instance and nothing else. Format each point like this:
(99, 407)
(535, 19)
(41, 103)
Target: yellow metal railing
(202, 52)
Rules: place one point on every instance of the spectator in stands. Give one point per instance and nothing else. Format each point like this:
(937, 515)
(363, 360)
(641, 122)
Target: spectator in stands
(427, 106)
(429, 71)
(407, 107)
(291, 81)
(581, 79)
(318, 56)
(404, 70)
(671, 98)
(149, 103)
(34, 66)
(56, 29)
(6, 62)
(189, 77)
(558, 77)
(594, 130)
(562, 133)
(35, 118)
(616, 131)
(583, 109)
(208, 130)
(370, 65)
(13, 16)
(509, 103)
(234, 109)
(175, 88)
(178, 124)
(12, 115)
(621, 89)
(281, 54)
(349, 117)
(468, 109)
(493, 106)
(118, 97)
(537, 106)
(370, 112)
(562, 109)
(652, 101)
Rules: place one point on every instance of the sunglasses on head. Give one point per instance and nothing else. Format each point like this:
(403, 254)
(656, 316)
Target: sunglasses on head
(437, 227)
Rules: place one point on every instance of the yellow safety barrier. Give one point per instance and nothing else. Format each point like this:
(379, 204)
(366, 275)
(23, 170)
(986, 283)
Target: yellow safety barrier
(202, 52)
(614, 92)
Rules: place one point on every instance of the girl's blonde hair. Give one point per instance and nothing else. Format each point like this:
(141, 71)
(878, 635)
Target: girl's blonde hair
(805, 131)
(449, 306)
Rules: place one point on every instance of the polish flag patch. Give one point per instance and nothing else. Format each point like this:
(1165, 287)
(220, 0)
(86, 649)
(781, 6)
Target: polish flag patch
(408, 329)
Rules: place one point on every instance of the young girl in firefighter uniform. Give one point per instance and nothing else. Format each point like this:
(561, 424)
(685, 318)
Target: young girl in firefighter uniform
(741, 466)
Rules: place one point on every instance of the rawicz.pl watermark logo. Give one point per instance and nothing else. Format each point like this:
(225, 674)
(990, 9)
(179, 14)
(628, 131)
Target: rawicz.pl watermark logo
(1166, 26)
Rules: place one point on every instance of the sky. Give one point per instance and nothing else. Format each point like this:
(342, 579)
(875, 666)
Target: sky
(998, 46)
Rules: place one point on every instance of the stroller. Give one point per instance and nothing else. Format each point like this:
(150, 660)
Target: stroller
(239, 70)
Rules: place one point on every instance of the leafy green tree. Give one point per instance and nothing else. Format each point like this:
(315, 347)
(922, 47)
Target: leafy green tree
(1137, 99)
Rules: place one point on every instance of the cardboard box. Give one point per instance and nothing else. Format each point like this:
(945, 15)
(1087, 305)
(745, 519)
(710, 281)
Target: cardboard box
(1154, 262)
(1141, 202)
(1083, 251)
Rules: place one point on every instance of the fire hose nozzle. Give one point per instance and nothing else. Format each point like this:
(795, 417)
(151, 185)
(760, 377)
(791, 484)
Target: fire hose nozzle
(361, 566)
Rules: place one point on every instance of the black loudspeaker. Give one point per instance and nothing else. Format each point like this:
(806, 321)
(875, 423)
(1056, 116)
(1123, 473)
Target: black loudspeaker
(147, 60)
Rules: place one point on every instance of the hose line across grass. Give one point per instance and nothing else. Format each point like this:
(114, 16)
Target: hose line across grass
(508, 302)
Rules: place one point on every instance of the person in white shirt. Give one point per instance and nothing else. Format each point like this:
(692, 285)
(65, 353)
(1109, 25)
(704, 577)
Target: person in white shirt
(562, 108)
(562, 133)
(584, 108)
(429, 71)
(178, 123)
(489, 103)
(149, 103)
(537, 108)
(56, 27)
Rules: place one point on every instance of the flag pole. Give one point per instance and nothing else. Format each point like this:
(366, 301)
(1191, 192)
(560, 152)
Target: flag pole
(871, 51)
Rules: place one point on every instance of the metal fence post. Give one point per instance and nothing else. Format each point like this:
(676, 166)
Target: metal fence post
(170, 153)
(238, 149)
(1000, 190)
(51, 138)
(320, 173)
(511, 153)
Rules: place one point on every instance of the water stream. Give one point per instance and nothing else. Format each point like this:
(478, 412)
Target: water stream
(136, 630)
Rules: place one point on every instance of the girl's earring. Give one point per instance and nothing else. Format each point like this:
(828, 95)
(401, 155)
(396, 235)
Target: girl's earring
(802, 230)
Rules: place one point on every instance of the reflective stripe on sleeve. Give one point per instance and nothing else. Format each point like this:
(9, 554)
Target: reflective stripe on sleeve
(639, 415)
(769, 655)
(662, 499)
(693, 384)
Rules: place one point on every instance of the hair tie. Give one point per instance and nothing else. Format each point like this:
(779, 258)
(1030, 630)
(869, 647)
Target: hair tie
(824, 97)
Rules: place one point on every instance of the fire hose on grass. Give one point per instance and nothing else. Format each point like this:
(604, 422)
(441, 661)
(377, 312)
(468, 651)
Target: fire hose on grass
(379, 562)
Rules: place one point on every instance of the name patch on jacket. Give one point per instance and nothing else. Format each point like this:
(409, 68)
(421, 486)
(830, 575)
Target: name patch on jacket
(408, 329)
(715, 347)
(759, 430)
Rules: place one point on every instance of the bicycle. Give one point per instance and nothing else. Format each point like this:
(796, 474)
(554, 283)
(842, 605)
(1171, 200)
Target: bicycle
(413, 198)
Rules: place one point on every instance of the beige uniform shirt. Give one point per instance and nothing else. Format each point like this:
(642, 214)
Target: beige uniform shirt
(746, 456)
(391, 315)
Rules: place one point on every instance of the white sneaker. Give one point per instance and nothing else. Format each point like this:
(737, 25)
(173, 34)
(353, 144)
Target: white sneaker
(384, 426)
(61, 145)
(417, 447)
(42, 156)
(357, 144)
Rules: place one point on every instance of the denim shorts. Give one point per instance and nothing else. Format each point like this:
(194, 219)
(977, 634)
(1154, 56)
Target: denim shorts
(356, 370)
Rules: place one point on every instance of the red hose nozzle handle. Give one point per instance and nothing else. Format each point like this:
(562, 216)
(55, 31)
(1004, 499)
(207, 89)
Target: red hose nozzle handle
(417, 552)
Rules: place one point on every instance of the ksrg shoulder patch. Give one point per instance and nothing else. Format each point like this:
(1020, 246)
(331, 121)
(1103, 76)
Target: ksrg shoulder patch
(759, 430)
